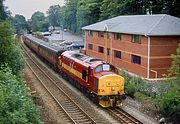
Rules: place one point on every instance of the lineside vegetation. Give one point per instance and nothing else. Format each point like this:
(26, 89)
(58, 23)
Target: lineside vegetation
(16, 105)
(165, 95)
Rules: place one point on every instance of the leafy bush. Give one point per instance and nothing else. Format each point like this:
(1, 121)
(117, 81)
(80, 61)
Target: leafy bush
(16, 107)
(136, 84)
(175, 65)
(168, 99)
(9, 51)
(165, 95)
(129, 85)
(130, 88)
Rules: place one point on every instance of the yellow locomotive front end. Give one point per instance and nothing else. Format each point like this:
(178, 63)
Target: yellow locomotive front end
(111, 90)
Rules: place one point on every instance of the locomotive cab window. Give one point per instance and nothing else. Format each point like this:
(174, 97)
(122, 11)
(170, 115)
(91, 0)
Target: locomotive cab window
(104, 67)
(84, 74)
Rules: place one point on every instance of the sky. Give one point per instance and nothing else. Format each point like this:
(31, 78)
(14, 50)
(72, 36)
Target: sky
(28, 7)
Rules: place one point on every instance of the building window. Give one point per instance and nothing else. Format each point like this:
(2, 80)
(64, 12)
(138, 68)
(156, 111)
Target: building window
(90, 33)
(109, 35)
(117, 36)
(101, 34)
(136, 59)
(108, 51)
(136, 38)
(117, 54)
(101, 49)
(90, 46)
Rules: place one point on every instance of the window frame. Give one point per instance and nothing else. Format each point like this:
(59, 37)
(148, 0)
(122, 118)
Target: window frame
(136, 59)
(109, 35)
(90, 33)
(100, 49)
(116, 55)
(117, 36)
(101, 33)
(90, 46)
(108, 51)
(135, 37)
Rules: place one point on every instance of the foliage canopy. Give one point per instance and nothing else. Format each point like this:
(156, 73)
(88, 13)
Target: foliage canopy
(175, 66)
(9, 51)
(78, 13)
(39, 22)
(19, 23)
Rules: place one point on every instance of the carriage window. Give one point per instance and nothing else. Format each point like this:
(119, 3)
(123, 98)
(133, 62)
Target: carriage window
(84, 74)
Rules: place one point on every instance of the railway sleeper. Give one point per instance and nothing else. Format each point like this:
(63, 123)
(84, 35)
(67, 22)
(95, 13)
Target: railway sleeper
(83, 120)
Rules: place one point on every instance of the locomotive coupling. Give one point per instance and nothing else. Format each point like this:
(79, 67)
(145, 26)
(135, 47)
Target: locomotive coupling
(123, 97)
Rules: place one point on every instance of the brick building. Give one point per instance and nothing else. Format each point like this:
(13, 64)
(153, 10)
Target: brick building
(140, 44)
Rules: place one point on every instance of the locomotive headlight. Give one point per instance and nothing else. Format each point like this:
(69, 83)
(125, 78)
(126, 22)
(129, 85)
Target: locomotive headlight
(113, 88)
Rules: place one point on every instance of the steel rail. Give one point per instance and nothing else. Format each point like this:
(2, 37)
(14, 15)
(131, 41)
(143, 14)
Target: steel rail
(92, 121)
(123, 117)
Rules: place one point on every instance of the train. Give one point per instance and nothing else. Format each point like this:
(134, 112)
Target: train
(95, 77)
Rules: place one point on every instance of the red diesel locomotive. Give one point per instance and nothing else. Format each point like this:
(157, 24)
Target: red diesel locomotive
(96, 77)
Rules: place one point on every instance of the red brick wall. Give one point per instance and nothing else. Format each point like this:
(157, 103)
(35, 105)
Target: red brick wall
(160, 50)
(124, 45)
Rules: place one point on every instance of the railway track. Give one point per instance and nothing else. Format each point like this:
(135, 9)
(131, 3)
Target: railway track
(123, 117)
(72, 112)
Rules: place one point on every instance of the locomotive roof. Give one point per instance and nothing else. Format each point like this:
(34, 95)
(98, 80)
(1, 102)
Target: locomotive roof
(52, 46)
(87, 60)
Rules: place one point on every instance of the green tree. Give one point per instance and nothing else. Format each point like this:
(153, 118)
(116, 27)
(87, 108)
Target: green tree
(78, 13)
(171, 7)
(88, 12)
(114, 8)
(19, 23)
(168, 99)
(39, 22)
(70, 11)
(9, 52)
(29, 26)
(54, 13)
(175, 66)
(3, 14)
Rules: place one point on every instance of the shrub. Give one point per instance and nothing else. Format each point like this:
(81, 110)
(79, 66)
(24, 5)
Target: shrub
(130, 88)
(129, 85)
(10, 53)
(16, 107)
(168, 99)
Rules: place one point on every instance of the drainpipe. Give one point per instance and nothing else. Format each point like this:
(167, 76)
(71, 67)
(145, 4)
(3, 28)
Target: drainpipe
(148, 57)
(106, 33)
(84, 39)
(156, 73)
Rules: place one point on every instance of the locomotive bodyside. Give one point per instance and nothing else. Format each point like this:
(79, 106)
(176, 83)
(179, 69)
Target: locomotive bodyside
(73, 68)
